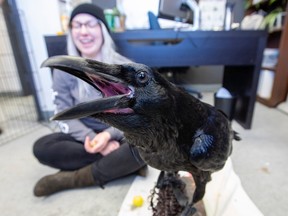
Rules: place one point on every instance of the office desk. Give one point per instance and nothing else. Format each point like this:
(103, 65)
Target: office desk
(239, 51)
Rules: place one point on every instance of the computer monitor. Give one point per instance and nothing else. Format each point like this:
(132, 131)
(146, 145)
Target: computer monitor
(173, 10)
(105, 4)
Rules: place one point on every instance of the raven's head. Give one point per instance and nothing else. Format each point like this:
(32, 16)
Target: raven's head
(129, 91)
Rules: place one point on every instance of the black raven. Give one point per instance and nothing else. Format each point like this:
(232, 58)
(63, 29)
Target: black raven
(172, 130)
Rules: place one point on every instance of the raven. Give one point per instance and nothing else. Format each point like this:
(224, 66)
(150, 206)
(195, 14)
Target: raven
(172, 130)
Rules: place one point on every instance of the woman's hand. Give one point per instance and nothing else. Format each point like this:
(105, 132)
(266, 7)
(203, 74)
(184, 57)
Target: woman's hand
(101, 143)
(111, 146)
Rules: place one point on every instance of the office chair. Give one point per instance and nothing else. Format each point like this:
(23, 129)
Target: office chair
(153, 21)
(170, 73)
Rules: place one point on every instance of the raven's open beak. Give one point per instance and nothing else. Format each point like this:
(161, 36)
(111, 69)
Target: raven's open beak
(104, 77)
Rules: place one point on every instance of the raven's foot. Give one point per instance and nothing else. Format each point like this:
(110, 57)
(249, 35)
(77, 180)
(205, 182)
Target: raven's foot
(189, 210)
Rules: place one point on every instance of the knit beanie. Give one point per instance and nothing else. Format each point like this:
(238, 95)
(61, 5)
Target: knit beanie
(91, 9)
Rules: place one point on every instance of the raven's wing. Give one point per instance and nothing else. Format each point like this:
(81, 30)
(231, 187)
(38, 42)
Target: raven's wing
(201, 145)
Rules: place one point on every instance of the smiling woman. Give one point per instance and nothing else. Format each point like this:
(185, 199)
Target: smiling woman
(94, 152)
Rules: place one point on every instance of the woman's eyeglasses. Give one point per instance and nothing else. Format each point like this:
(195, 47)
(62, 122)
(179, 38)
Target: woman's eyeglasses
(88, 25)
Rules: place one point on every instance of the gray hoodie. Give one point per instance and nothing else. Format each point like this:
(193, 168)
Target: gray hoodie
(69, 91)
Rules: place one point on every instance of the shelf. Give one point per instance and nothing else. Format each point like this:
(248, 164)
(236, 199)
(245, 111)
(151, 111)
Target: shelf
(278, 38)
(276, 30)
(269, 68)
(265, 101)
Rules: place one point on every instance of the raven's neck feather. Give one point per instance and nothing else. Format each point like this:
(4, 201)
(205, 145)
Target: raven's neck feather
(165, 128)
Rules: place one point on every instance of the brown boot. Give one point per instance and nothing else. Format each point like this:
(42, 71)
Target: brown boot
(64, 180)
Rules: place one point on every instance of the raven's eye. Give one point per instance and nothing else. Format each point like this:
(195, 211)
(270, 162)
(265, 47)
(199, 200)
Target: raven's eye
(142, 77)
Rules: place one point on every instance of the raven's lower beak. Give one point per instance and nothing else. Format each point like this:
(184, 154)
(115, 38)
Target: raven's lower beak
(104, 77)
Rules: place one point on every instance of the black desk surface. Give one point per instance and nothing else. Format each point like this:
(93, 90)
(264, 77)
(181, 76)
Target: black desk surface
(180, 48)
(239, 51)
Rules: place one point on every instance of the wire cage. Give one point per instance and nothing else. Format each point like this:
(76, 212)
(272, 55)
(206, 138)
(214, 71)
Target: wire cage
(18, 114)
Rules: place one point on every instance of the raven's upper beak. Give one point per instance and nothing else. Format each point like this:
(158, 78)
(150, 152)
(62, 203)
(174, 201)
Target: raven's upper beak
(104, 77)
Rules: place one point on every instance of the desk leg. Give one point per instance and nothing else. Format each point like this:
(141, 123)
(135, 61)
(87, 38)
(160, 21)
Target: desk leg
(242, 82)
